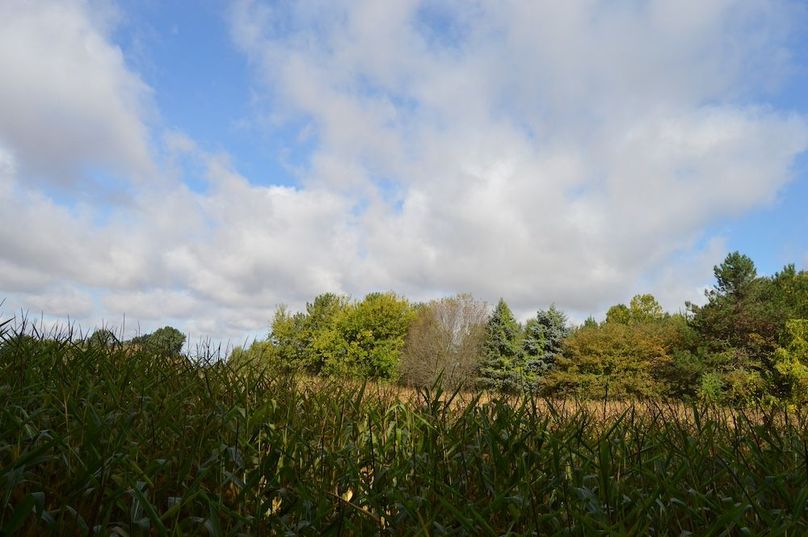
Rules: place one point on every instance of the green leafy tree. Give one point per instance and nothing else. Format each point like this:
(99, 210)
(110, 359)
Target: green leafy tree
(167, 341)
(618, 314)
(502, 366)
(615, 360)
(288, 338)
(320, 328)
(305, 340)
(102, 338)
(788, 296)
(645, 308)
(791, 363)
(259, 353)
(641, 309)
(590, 322)
(368, 337)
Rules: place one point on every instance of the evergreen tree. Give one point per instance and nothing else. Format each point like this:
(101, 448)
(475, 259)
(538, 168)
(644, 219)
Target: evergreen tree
(743, 326)
(502, 365)
(735, 275)
(742, 317)
(544, 335)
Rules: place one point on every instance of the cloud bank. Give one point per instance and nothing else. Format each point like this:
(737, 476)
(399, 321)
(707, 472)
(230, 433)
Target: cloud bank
(568, 153)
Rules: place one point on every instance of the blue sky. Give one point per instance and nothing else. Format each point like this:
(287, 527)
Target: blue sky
(202, 84)
(200, 166)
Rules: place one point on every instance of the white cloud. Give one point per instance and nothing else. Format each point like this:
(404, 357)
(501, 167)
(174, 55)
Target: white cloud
(569, 153)
(68, 103)
(59, 301)
(223, 258)
(546, 151)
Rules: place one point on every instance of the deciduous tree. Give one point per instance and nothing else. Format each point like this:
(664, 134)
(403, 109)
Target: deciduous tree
(368, 337)
(445, 341)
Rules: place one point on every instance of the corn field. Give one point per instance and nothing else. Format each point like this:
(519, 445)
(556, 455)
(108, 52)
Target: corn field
(105, 440)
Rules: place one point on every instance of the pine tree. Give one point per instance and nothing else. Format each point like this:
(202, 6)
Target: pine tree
(502, 366)
(544, 335)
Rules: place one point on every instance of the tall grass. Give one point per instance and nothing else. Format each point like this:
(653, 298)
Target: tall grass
(97, 440)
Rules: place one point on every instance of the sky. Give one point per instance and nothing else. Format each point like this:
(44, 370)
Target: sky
(198, 164)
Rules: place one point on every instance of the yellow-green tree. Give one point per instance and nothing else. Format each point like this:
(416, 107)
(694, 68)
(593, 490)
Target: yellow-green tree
(791, 362)
(302, 340)
(367, 337)
(641, 309)
(613, 359)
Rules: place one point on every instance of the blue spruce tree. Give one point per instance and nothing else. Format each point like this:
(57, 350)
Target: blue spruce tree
(542, 343)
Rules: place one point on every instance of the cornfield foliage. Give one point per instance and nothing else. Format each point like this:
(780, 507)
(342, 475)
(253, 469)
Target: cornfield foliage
(109, 440)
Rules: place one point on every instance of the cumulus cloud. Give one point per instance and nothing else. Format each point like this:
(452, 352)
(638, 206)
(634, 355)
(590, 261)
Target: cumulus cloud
(68, 103)
(544, 151)
(217, 261)
(569, 153)
(65, 301)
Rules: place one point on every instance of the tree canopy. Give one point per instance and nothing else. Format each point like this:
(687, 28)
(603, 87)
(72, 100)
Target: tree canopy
(745, 343)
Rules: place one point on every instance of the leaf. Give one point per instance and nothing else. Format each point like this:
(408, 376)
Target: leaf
(19, 515)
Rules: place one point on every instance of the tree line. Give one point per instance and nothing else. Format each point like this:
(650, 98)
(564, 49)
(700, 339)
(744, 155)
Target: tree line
(748, 342)
(166, 341)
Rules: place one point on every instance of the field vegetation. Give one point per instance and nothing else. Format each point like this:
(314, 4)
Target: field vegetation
(107, 440)
(384, 417)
